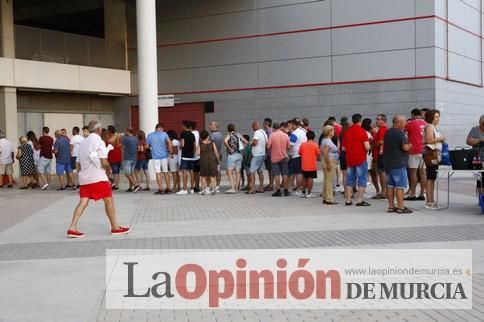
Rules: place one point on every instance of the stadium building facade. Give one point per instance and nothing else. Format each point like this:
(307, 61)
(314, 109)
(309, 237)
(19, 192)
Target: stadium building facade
(65, 62)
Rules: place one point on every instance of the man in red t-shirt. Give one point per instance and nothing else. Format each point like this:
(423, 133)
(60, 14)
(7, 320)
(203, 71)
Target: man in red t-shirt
(356, 144)
(46, 143)
(415, 130)
(377, 153)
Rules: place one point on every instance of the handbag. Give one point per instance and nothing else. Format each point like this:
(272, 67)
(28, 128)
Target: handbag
(445, 156)
(430, 156)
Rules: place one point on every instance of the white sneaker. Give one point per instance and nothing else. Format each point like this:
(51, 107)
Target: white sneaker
(182, 192)
(230, 191)
(217, 189)
(432, 206)
(191, 191)
(298, 194)
(310, 196)
(207, 191)
(45, 186)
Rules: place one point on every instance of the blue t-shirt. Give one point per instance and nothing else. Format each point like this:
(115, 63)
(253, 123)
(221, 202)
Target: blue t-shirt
(63, 148)
(158, 143)
(130, 145)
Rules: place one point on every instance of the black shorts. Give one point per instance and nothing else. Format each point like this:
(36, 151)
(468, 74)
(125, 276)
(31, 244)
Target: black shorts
(295, 166)
(380, 166)
(73, 163)
(196, 166)
(268, 164)
(432, 172)
(310, 174)
(342, 160)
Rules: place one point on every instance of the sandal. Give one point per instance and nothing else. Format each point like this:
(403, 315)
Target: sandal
(363, 204)
(258, 191)
(250, 192)
(348, 203)
(391, 209)
(405, 210)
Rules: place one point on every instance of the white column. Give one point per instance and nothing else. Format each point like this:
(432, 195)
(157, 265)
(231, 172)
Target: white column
(147, 65)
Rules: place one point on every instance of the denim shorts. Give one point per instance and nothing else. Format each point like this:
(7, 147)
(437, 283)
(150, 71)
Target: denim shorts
(397, 178)
(281, 168)
(187, 165)
(257, 164)
(44, 165)
(116, 167)
(357, 175)
(128, 167)
(61, 168)
(141, 165)
(234, 161)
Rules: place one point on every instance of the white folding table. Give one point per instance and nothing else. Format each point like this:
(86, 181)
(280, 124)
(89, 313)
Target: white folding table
(449, 173)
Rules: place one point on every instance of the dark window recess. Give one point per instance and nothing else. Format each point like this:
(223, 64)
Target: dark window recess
(209, 107)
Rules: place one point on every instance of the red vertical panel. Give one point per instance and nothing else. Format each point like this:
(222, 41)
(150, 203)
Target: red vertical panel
(172, 117)
(134, 118)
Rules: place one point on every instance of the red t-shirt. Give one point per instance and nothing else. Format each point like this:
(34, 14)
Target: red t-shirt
(141, 154)
(115, 155)
(354, 142)
(45, 143)
(415, 130)
(337, 129)
(309, 152)
(379, 137)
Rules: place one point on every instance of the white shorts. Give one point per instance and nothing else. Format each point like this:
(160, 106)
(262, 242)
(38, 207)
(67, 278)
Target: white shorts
(173, 164)
(415, 161)
(160, 165)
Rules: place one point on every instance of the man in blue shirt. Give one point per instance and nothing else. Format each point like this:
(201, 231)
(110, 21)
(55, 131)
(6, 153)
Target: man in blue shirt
(130, 156)
(160, 146)
(62, 151)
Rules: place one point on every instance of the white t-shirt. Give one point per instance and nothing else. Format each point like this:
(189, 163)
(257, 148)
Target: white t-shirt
(176, 144)
(259, 149)
(197, 142)
(91, 150)
(6, 149)
(75, 142)
(297, 138)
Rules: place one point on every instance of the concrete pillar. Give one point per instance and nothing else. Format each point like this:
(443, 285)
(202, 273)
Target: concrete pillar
(8, 96)
(116, 33)
(7, 43)
(147, 64)
(8, 113)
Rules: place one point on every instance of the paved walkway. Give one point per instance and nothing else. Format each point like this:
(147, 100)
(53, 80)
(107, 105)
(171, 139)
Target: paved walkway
(47, 277)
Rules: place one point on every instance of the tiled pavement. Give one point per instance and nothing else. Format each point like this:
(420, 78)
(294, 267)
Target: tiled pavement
(50, 278)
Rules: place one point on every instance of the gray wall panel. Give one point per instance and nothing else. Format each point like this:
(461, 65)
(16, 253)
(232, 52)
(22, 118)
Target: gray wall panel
(303, 16)
(225, 53)
(308, 44)
(221, 26)
(225, 77)
(300, 71)
(372, 38)
(204, 8)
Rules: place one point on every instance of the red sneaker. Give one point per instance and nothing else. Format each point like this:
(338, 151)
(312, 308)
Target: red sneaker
(120, 231)
(75, 234)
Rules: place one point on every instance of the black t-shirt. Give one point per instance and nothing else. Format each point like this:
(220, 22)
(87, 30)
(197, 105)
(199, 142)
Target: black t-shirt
(188, 150)
(393, 155)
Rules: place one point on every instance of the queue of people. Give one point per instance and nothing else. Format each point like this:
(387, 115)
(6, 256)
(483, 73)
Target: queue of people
(396, 159)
